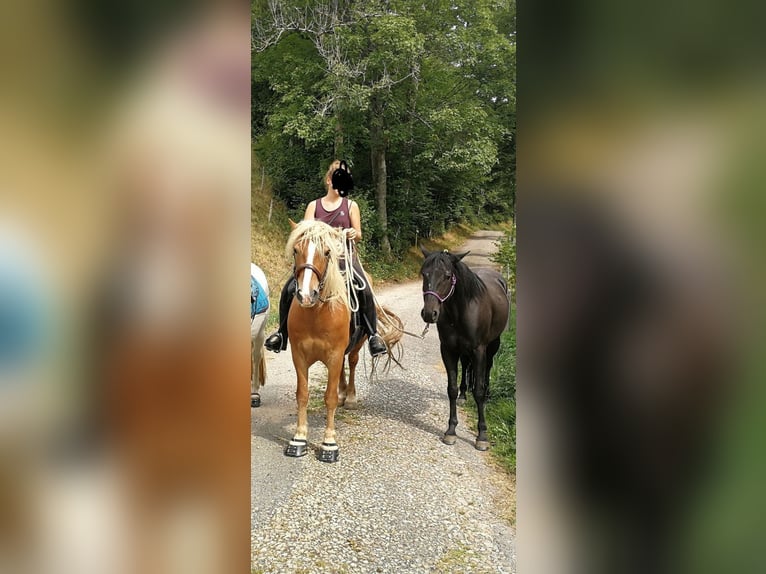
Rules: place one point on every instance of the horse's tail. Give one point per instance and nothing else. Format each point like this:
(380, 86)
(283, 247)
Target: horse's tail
(468, 372)
(391, 329)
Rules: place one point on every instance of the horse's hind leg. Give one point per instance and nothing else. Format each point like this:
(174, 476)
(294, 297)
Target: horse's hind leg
(353, 360)
(342, 387)
(480, 384)
(465, 371)
(257, 359)
(492, 349)
(255, 383)
(260, 382)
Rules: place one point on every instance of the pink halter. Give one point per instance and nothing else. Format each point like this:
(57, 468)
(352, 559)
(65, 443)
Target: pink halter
(453, 280)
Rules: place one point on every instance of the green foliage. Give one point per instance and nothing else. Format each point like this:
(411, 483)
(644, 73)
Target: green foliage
(501, 407)
(505, 257)
(436, 84)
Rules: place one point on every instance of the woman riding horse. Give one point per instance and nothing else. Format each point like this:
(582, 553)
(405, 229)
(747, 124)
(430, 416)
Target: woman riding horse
(336, 210)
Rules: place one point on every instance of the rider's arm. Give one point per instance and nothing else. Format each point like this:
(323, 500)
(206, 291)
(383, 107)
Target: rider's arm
(310, 211)
(356, 220)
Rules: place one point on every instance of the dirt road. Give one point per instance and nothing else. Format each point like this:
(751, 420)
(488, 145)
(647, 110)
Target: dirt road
(398, 500)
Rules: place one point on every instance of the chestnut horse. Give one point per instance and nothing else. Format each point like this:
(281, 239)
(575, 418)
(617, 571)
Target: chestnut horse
(471, 310)
(319, 323)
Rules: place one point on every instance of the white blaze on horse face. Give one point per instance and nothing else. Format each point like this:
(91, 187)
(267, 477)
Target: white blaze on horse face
(306, 272)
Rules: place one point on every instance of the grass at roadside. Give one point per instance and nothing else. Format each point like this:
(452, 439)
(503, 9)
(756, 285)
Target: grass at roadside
(501, 408)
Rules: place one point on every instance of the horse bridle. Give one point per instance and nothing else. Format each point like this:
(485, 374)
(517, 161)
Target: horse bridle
(441, 299)
(314, 270)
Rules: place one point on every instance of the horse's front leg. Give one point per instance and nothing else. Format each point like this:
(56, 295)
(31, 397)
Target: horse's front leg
(480, 386)
(329, 450)
(298, 446)
(450, 363)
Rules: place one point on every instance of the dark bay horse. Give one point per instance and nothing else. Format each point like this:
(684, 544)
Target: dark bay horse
(471, 310)
(319, 323)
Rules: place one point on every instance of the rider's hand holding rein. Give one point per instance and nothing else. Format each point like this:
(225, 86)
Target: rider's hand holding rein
(350, 233)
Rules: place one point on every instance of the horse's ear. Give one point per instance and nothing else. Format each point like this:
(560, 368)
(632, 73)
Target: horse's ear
(458, 256)
(424, 251)
(293, 225)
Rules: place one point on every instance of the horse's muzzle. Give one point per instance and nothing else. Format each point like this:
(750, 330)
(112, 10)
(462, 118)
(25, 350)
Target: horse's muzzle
(307, 301)
(429, 316)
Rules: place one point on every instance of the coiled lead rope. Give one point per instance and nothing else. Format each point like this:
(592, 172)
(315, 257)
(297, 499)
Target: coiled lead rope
(351, 275)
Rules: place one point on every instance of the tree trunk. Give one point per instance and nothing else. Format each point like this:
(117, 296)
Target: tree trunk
(379, 161)
(409, 144)
(378, 157)
(338, 144)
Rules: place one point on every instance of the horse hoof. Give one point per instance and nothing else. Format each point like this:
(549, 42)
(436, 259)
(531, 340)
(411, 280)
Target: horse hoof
(328, 453)
(460, 401)
(449, 439)
(482, 445)
(351, 405)
(296, 448)
(255, 401)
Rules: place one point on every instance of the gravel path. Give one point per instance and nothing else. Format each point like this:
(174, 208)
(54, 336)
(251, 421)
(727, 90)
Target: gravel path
(398, 500)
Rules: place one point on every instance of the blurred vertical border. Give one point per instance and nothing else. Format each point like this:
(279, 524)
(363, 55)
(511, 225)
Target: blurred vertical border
(124, 241)
(640, 283)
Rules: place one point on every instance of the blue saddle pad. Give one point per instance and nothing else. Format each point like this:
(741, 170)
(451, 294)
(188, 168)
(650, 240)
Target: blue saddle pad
(259, 303)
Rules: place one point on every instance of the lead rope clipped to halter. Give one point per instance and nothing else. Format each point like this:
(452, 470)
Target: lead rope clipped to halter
(363, 285)
(353, 299)
(351, 289)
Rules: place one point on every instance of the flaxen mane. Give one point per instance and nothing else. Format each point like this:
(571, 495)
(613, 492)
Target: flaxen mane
(327, 240)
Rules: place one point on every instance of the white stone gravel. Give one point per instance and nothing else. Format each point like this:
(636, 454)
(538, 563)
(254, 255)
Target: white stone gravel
(398, 500)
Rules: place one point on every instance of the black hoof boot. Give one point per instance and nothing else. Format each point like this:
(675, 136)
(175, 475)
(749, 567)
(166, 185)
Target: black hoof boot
(275, 343)
(328, 452)
(255, 400)
(296, 448)
(377, 346)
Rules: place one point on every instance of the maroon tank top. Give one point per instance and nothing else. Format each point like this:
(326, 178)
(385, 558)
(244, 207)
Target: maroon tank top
(339, 217)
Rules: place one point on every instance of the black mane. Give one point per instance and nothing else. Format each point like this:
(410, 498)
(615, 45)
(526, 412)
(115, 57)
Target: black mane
(472, 285)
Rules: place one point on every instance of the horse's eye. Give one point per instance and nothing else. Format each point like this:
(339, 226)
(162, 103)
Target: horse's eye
(327, 253)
